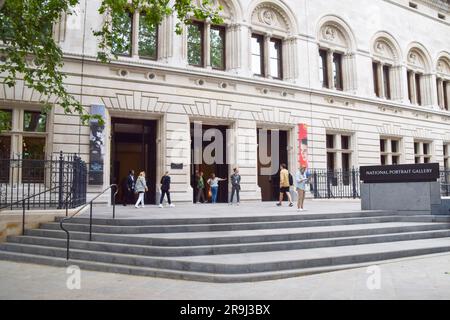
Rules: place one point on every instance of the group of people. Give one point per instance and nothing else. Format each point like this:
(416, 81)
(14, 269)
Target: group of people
(213, 182)
(139, 186)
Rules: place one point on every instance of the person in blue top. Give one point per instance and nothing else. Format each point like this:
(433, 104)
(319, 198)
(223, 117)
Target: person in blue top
(300, 185)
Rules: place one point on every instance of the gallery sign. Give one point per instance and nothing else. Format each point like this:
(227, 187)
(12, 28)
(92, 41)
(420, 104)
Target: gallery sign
(428, 172)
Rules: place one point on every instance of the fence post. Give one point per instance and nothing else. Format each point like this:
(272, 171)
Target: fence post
(61, 180)
(328, 185)
(354, 183)
(316, 193)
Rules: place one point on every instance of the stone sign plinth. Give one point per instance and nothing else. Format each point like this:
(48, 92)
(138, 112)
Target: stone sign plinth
(411, 189)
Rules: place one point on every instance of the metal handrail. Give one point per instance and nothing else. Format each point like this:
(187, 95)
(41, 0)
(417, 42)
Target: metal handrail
(61, 223)
(23, 204)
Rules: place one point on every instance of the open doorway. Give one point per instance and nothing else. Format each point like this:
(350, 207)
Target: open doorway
(133, 147)
(219, 168)
(270, 183)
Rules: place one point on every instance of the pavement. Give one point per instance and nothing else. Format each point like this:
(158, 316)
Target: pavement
(425, 277)
(416, 278)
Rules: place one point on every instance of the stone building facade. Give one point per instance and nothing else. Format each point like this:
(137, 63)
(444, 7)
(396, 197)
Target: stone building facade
(370, 79)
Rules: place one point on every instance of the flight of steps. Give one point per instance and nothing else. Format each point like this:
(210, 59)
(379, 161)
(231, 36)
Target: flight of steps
(233, 248)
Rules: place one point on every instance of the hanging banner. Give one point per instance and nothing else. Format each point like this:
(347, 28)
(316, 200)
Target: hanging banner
(96, 147)
(303, 145)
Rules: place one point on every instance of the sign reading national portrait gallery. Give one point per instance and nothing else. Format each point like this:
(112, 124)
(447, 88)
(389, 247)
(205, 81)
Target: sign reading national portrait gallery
(400, 173)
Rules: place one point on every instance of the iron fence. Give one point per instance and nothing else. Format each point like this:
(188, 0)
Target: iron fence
(56, 181)
(346, 184)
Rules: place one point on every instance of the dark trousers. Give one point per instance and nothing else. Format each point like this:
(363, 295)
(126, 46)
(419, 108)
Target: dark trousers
(163, 193)
(128, 196)
(235, 189)
(201, 195)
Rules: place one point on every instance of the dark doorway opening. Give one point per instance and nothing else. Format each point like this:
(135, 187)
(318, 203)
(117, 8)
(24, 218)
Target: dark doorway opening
(270, 184)
(133, 147)
(220, 169)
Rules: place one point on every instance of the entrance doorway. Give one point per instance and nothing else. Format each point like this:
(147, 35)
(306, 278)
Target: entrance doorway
(219, 169)
(133, 147)
(270, 183)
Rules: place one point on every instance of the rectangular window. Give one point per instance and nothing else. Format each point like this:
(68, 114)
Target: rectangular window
(337, 71)
(390, 151)
(446, 84)
(409, 76)
(346, 162)
(275, 54)
(195, 44)
(122, 26)
(323, 69)
(422, 152)
(383, 160)
(258, 54)
(34, 121)
(418, 78)
(148, 38)
(395, 160)
(345, 142)
(382, 145)
(330, 161)
(5, 120)
(217, 47)
(387, 82)
(5, 147)
(394, 146)
(416, 148)
(330, 141)
(446, 156)
(33, 149)
(376, 82)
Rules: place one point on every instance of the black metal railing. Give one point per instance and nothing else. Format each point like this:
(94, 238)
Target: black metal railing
(44, 183)
(327, 184)
(90, 203)
(445, 182)
(342, 184)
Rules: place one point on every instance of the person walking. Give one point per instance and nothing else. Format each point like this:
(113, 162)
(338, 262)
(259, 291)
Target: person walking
(214, 184)
(141, 188)
(165, 190)
(200, 187)
(129, 188)
(284, 185)
(235, 185)
(300, 185)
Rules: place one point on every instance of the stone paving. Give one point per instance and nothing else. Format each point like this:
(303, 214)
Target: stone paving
(416, 278)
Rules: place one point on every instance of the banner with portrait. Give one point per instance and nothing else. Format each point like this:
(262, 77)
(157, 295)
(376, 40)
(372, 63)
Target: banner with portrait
(303, 145)
(96, 147)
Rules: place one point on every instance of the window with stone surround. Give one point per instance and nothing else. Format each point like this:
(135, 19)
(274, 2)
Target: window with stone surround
(446, 153)
(339, 151)
(423, 152)
(336, 55)
(390, 151)
(273, 48)
(139, 38)
(419, 77)
(443, 83)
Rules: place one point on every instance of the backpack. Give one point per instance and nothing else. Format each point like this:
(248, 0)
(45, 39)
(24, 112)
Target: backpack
(291, 180)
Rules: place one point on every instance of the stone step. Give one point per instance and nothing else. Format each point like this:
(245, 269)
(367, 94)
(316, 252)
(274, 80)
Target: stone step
(252, 262)
(165, 251)
(228, 226)
(192, 220)
(174, 274)
(246, 236)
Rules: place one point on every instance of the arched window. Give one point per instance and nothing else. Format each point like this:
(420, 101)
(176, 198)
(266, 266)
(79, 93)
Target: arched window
(386, 67)
(336, 55)
(272, 51)
(419, 76)
(443, 81)
(208, 45)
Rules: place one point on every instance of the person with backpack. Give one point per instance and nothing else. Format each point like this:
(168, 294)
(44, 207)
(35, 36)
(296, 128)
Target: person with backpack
(165, 190)
(286, 181)
(235, 186)
(140, 188)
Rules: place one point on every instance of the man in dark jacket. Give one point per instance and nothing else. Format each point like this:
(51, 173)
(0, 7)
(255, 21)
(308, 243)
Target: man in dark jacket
(165, 189)
(235, 185)
(129, 188)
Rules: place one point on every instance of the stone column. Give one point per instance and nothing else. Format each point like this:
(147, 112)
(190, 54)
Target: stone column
(207, 43)
(440, 93)
(447, 94)
(381, 80)
(267, 55)
(330, 68)
(412, 84)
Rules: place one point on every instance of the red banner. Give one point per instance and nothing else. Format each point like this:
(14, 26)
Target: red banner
(303, 145)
